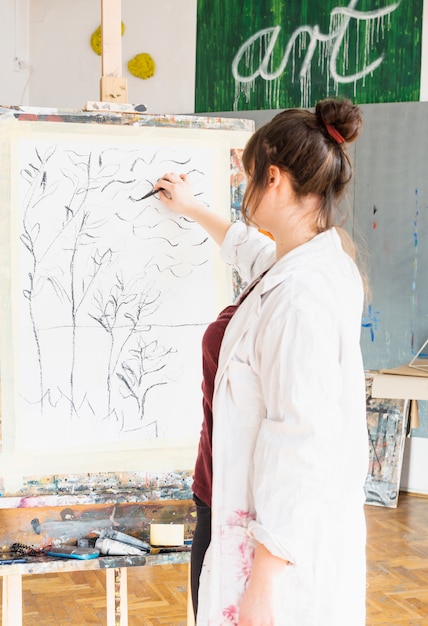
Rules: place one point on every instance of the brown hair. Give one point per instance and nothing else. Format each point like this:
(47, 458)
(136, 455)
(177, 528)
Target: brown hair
(297, 142)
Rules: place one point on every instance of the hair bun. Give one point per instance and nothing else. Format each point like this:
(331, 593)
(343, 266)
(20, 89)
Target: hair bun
(342, 115)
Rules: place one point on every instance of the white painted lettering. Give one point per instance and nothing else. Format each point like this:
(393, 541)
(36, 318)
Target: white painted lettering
(330, 43)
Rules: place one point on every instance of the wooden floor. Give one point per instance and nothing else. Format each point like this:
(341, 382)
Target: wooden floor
(397, 592)
(156, 595)
(397, 552)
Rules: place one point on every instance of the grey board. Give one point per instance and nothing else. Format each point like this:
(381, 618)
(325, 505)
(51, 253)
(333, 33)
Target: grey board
(391, 191)
(388, 199)
(390, 186)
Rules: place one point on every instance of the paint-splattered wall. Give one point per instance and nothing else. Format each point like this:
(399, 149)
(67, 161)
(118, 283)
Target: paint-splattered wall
(268, 54)
(391, 216)
(391, 212)
(388, 206)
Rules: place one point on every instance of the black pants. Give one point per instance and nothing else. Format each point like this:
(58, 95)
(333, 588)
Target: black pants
(200, 543)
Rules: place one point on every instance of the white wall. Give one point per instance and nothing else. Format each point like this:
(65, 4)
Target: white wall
(63, 71)
(414, 475)
(47, 59)
(14, 46)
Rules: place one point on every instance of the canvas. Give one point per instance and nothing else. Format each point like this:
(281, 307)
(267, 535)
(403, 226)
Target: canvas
(270, 54)
(106, 293)
(386, 426)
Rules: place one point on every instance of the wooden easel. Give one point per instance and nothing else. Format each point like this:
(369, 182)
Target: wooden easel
(113, 87)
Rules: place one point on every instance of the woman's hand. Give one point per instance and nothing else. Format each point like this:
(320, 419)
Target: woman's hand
(176, 194)
(261, 602)
(257, 608)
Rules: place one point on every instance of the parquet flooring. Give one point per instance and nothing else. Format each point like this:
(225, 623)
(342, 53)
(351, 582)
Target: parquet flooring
(157, 596)
(397, 553)
(397, 591)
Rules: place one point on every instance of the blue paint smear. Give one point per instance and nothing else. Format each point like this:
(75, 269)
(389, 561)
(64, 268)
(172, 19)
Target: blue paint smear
(371, 321)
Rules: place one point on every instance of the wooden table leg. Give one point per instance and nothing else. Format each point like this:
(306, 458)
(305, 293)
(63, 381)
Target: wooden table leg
(117, 596)
(190, 616)
(12, 600)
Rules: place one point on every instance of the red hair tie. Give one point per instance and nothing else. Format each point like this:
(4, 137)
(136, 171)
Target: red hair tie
(334, 133)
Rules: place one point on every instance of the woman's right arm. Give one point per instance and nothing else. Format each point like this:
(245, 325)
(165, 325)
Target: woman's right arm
(176, 194)
(249, 252)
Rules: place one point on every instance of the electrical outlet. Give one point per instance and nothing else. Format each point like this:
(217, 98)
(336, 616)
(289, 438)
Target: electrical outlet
(19, 65)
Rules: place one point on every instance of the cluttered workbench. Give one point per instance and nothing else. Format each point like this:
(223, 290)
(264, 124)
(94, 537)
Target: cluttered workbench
(116, 579)
(37, 538)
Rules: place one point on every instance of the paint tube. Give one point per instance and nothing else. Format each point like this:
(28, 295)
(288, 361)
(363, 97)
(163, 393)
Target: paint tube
(110, 533)
(117, 548)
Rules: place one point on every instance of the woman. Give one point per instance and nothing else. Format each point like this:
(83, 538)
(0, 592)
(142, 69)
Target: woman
(284, 399)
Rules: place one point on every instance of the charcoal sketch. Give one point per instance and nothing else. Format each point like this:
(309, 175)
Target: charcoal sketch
(112, 293)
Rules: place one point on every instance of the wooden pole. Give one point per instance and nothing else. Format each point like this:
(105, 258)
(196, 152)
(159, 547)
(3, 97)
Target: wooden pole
(113, 87)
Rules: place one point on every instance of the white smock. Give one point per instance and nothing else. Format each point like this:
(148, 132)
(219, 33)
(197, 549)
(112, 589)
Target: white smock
(290, 444)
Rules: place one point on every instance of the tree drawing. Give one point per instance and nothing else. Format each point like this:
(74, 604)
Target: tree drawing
(102, 273)
(144, 364)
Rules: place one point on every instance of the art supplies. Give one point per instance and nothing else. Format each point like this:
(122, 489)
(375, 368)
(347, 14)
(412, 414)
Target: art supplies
(8, 558)
(110, 533)
(117, 548)
(72, 552)
(166, 535)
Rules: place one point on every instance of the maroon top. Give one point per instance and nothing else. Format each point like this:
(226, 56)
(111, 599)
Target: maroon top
(211, 343)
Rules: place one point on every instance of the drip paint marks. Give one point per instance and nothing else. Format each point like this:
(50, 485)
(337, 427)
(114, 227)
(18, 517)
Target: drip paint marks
(270, 54)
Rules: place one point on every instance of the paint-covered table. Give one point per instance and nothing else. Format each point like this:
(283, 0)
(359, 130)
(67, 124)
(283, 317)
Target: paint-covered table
(39, 520)
(116, 580)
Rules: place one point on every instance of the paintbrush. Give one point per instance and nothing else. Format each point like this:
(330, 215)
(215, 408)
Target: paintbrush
(152, 193)
(167, 549)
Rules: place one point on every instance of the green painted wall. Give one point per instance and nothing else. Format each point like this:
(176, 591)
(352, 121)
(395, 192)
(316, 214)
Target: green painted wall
(302, 51)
